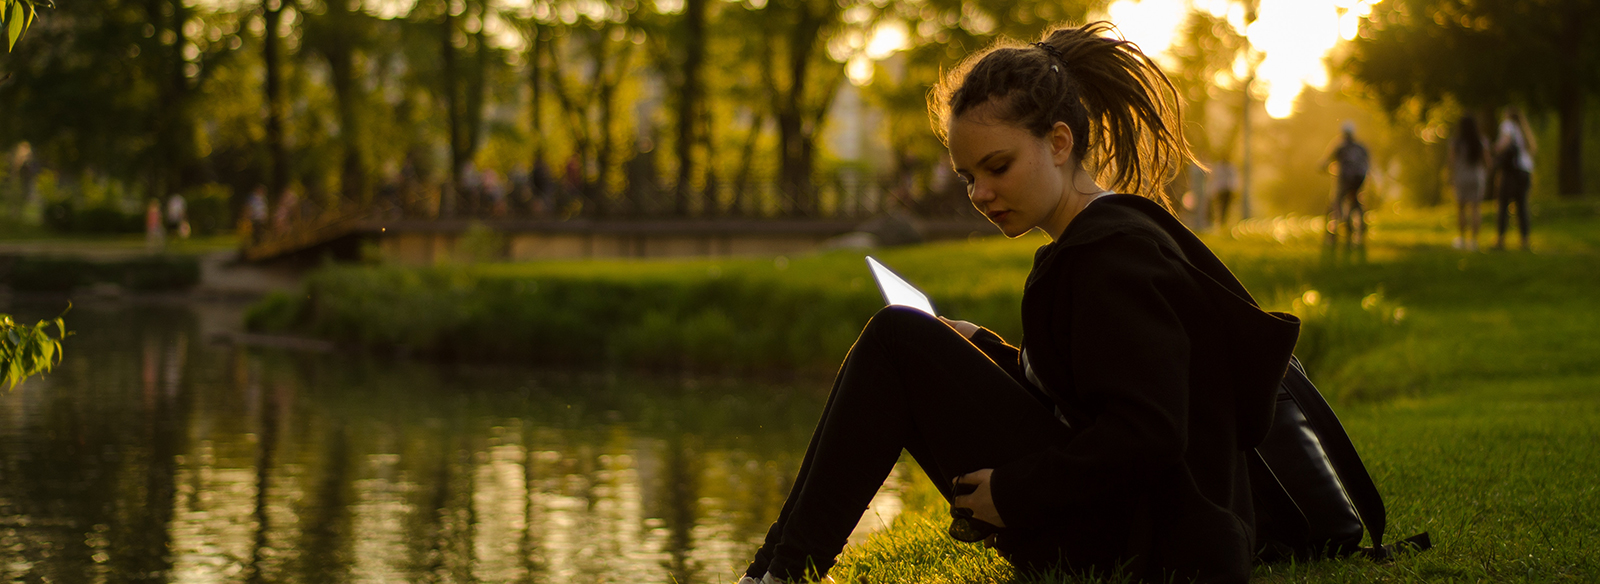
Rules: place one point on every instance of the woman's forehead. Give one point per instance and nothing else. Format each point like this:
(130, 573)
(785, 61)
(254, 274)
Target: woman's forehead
(974, 136)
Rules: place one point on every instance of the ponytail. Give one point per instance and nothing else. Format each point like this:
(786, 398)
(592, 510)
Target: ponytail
(1122, 110)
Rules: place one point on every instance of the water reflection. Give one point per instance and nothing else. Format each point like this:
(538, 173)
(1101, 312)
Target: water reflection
(152, 454)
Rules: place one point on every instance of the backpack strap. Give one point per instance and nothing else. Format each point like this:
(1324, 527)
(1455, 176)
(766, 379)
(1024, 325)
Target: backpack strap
(1342, 453)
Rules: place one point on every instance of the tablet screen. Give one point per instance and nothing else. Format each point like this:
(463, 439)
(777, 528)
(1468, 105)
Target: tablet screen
(897, 291)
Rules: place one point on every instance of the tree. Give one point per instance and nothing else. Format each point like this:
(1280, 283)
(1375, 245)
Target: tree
(1480, 55)
(600, 43)
(341, 35)
(272, 59)
(942, 32)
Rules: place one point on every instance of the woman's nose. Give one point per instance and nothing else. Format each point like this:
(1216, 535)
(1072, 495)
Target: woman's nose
(979, 193)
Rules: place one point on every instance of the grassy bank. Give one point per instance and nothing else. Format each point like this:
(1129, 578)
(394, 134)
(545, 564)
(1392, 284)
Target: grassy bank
(1467, 380)
(726, 314)
(1476, 410)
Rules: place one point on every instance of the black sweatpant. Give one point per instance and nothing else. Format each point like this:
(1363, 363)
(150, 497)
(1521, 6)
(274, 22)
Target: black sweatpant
(910, 382)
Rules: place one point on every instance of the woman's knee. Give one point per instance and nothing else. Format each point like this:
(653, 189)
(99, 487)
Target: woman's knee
(897, 320)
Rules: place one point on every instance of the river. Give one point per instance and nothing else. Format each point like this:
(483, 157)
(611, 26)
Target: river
(156, 453)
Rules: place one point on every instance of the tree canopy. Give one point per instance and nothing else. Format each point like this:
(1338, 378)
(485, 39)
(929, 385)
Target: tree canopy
(1542, 54)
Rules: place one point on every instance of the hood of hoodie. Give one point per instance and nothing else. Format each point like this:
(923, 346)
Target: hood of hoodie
(1263, 341)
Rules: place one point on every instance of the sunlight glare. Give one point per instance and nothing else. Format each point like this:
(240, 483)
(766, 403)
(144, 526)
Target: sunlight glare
(887, 38)
(1293, 35)
(1151, 24)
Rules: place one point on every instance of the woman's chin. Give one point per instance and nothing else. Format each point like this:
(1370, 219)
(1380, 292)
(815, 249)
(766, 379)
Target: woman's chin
(1010, 229)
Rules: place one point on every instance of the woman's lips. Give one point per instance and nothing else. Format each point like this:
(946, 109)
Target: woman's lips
(998, 215)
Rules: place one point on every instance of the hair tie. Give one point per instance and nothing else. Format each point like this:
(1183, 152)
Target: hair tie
(1053, 52)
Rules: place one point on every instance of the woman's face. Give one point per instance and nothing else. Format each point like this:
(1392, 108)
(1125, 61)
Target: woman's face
(1013, 177)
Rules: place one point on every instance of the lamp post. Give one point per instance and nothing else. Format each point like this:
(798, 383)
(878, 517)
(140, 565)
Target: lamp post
(1244, 114)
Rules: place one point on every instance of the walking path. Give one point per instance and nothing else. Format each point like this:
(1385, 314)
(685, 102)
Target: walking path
(221, 274)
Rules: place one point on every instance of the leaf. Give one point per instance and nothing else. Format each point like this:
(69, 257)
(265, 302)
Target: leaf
(15, 25)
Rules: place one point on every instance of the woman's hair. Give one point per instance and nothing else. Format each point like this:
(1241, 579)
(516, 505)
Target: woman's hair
(1122, 110)
(1468, 137)
(1515, 113)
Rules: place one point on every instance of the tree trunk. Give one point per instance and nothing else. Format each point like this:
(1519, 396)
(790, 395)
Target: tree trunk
(741, 184)
(277, 154)
(604, 96)
(170, 118)
(340, 53)
(475, 90)
(694, 17)
(452, 101)
(796, 137)
(1570, 106)
(536, 103)
(709, 206)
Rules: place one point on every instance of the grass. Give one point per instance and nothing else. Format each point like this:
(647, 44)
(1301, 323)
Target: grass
(1476, 411)
(1467, 380)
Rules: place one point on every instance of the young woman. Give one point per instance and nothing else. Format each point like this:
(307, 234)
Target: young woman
(1116, 437)
(1469, 171)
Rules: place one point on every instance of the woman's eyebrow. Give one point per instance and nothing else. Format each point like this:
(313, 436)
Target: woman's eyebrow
(985, 158)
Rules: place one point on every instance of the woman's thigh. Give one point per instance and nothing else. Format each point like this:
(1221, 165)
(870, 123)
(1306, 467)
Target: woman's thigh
(963, 411)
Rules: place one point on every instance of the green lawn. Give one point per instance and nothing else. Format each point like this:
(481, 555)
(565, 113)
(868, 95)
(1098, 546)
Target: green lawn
(1468, 381)
(1478, 411)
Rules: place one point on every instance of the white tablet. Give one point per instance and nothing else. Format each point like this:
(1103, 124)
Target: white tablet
(896, 290)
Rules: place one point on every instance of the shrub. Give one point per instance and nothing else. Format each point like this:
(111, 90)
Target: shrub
(66, 217)
(146, 274)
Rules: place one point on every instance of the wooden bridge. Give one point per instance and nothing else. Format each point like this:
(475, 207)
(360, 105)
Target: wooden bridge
(348, 236)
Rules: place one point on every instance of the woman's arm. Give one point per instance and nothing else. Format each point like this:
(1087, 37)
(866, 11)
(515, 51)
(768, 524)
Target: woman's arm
(1129, 355)
(996, 348)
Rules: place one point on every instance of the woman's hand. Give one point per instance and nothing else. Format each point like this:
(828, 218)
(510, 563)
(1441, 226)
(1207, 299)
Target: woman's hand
(981, 502)
(966, 329)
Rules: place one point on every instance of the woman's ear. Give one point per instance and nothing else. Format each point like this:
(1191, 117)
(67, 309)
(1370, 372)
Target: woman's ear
(1061, 143)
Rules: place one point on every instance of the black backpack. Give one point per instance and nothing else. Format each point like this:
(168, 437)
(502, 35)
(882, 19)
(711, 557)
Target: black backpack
(1312, 494)
(1353, 161)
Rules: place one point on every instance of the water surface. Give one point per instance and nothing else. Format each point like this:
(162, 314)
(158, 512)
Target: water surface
(154, 453)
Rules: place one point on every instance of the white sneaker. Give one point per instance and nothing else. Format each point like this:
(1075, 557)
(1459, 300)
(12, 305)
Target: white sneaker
(770, 579)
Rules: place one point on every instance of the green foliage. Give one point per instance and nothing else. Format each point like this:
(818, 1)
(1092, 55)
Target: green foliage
(209, 209)
(29, 350)
(16, 16)
(481, 243)
(62, 274)
(65, 216)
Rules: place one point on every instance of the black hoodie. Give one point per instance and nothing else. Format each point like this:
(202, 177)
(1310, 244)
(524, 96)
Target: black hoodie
(1167, 372)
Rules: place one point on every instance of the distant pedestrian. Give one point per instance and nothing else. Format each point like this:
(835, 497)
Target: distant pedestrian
(1513, 161)
(1224, 184)
(1352, 161)
(1469, 173)
(494, 192)
(1197, 199)
(178, 215)
(288, 211)
(155, 237)
(544, 189)
(255, 212)
(572, 182)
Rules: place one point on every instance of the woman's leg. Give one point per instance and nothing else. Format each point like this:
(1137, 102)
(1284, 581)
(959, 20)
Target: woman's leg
(1522, 206)
(910, 382)
(1475, 220)
(1503, 199)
